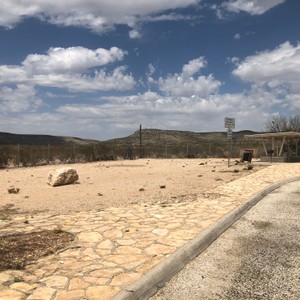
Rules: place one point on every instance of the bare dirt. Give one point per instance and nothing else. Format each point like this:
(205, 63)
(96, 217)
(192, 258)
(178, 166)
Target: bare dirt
(116, 183)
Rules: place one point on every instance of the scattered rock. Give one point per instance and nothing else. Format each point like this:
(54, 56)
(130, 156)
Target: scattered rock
(248, 167)
(141, 189)
(100, 194)
(162, 186)
(13, 190)
(218, 179)
(63, 176)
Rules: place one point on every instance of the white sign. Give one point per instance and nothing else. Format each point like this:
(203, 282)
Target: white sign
(230, 123)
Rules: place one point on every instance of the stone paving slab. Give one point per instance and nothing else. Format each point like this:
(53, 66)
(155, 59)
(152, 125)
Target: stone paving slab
(115, 247)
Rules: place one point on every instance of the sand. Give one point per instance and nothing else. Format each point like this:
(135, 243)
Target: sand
(116, 183)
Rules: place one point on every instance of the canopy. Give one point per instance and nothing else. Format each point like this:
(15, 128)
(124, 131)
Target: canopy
(274, 135)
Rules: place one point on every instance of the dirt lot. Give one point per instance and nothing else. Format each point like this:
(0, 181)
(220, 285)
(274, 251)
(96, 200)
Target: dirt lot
(116, 183)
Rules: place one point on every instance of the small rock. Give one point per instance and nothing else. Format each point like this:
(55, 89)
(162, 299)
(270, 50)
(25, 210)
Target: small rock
(141, 189)
(13, 190)
(162, 186)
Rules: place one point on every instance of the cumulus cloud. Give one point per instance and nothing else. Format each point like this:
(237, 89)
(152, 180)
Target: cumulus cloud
(154, 110)
(150, 109)
(18, 99)
(135, 34)
(253, 7)
(98, 16)
(74, 68)
(187, 83)
(273, 68)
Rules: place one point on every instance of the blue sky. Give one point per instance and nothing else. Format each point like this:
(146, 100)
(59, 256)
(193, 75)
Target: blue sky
(100, 68)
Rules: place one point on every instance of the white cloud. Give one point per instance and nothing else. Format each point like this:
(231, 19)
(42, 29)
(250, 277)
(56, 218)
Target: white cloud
(116, 116)
(135, 34)
(273, 68)
(70, 68)
(73, 59)
(96, 15)
(18, 99)
(237, 36)
(253, 7)
(187, 84)
(153, 110)
(194, 66)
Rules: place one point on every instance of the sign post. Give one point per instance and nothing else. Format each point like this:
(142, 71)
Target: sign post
(229, 124)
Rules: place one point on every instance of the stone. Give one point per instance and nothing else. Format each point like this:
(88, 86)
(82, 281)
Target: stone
(13, 190)
(59, 282)
(70, 295)
(44, 293)
(62, 176)
(102, 292)
(11, 295)
(125, 279)
(77, 283)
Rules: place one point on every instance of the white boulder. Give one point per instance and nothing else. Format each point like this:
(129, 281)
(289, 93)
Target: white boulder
(62, 176)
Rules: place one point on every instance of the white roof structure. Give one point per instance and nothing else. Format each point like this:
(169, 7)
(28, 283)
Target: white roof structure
(273, 136)
(268, 135)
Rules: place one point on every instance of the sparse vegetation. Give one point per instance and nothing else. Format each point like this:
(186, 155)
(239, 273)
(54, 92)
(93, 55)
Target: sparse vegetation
(18, 250)
(35, 150)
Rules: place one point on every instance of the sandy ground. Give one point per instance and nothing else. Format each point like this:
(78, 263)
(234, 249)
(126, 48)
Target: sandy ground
(117, 183)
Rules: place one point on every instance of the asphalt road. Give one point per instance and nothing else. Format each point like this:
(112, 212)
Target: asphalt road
(256, 258)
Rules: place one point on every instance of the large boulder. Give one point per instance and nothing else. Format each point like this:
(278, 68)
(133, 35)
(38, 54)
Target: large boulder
(62, 176)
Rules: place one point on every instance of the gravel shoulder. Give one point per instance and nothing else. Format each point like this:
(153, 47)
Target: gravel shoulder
(256, 258)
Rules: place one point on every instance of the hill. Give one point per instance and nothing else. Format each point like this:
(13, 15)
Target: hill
(174, 137)
(149, 137)
(38, 139)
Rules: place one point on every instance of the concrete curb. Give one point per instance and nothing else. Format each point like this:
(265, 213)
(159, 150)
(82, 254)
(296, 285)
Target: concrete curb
(164, 271)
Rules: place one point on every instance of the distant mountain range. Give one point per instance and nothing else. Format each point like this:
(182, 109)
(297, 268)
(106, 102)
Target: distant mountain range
(147, 136)
(40, 139)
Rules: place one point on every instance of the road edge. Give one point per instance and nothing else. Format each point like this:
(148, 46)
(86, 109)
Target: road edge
(156, 278)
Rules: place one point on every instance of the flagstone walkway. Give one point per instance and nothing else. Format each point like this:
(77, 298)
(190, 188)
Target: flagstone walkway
(116, 246)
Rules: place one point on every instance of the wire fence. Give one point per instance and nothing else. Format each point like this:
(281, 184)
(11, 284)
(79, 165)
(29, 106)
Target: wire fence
(37, 155)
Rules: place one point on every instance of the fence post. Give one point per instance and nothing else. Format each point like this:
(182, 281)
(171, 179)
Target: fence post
(48, 153)
(18, 155)
(74, 156)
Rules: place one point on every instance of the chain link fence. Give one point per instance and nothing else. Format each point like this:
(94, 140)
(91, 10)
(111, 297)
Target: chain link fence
(37, 155)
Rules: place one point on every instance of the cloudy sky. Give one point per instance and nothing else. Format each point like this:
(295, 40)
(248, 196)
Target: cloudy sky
(100, 68)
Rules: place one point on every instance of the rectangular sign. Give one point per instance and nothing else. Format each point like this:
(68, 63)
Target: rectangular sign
(230, 123)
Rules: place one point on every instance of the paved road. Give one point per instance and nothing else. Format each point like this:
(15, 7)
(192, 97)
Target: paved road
(257, 258)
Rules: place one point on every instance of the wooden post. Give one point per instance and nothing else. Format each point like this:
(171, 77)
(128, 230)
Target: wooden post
(141, 154)
(18, 155)
(48, 154)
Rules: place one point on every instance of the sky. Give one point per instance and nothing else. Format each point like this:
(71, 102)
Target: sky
(99, 69)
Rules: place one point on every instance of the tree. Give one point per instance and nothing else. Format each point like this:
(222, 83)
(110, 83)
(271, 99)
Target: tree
(282, 123)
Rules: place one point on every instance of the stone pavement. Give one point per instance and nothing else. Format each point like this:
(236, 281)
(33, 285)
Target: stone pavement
(116, 246)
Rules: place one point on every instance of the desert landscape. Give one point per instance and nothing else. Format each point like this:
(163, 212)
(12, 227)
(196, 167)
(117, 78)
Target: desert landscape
(117, 183)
